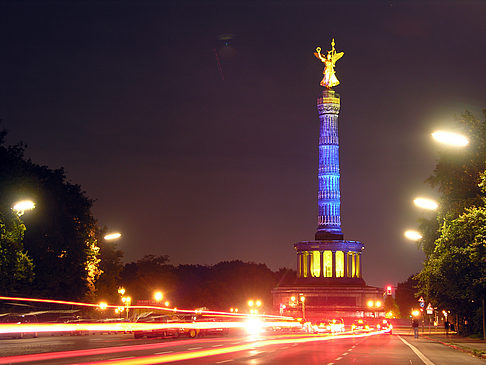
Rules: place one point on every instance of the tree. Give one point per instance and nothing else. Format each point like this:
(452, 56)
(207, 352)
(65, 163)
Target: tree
(16, 268)
(405, 296)
(110, 267)
(61, 235)
(217, 287)
(457, 177)
(453, 276)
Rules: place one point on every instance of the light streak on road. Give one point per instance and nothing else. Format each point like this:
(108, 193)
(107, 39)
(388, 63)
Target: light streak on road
(168, 357)
(128, 327)
(152, 307)
(181, 356)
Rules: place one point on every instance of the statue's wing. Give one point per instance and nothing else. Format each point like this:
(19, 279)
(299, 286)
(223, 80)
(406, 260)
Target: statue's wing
(337, 56)
(317, 55)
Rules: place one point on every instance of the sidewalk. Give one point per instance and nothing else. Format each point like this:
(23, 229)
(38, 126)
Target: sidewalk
(473, 346)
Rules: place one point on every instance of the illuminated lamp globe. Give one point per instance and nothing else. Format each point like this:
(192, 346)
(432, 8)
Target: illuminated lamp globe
(450, 138)
(412, 235)
(21, 206)
(112, 236)
(426, 203)
(158, 296)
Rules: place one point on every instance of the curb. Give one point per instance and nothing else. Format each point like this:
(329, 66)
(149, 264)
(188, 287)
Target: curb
(459, 348)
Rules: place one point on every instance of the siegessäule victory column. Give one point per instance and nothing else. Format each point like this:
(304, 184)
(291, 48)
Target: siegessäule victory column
(329, 269)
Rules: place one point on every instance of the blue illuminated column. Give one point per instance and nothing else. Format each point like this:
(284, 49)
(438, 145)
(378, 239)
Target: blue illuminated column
(329, 196)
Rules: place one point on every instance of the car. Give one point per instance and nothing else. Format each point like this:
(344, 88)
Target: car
(207, 331)
(332, 326)
(15, 318)
(153, 318)
(385, 325)
(360, 325)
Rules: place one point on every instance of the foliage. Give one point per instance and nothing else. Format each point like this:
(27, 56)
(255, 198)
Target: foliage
(110, 267)
(454, 273)
(60, 237)
(16, 268)
(457, 177)
(218, 287)
(405, 296)
(390, 305)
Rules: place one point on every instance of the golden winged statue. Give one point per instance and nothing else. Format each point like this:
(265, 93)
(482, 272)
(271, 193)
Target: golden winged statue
(329, 80)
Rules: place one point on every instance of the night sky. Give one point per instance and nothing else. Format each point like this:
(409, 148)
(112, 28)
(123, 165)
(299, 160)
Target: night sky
(208, 162)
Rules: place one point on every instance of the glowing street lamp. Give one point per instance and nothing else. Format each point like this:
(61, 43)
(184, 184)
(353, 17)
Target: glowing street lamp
(413, 235)
(425, 203)
(103, 305)
(415, 313)
(251, 303)
(166, 303)
(158, 296)
(121, 291)
(112, 236)
(450, 138)
(21, 206)
(127, 301)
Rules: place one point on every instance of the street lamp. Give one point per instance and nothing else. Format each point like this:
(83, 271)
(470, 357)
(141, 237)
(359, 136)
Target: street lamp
(426, 203)
(302, 300)
(158, 296)
(413, 235)
(450, 138)
(127, 301)
(112, 236)
(21, 206)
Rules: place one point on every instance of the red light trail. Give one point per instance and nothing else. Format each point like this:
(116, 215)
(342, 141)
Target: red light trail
(180, 356)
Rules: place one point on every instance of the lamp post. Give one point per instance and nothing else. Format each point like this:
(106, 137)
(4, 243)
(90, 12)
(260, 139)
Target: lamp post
(254, 305)
(302, 300)
(127, 300)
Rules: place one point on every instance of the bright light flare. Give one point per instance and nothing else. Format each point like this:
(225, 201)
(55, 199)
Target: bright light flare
(254, 326)
(412, 235)
(103, 305)
(425, 203)
(158, 296)
(21, 206)
(450, 138)
(415, 313)
(112, 236)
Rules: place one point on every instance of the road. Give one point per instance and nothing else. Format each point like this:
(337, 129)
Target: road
(282, 349)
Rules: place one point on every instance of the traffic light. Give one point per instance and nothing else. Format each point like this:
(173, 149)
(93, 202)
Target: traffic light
(389, 290)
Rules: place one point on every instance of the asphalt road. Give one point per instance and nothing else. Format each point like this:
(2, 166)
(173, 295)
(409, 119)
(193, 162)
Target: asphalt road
(378, 349)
